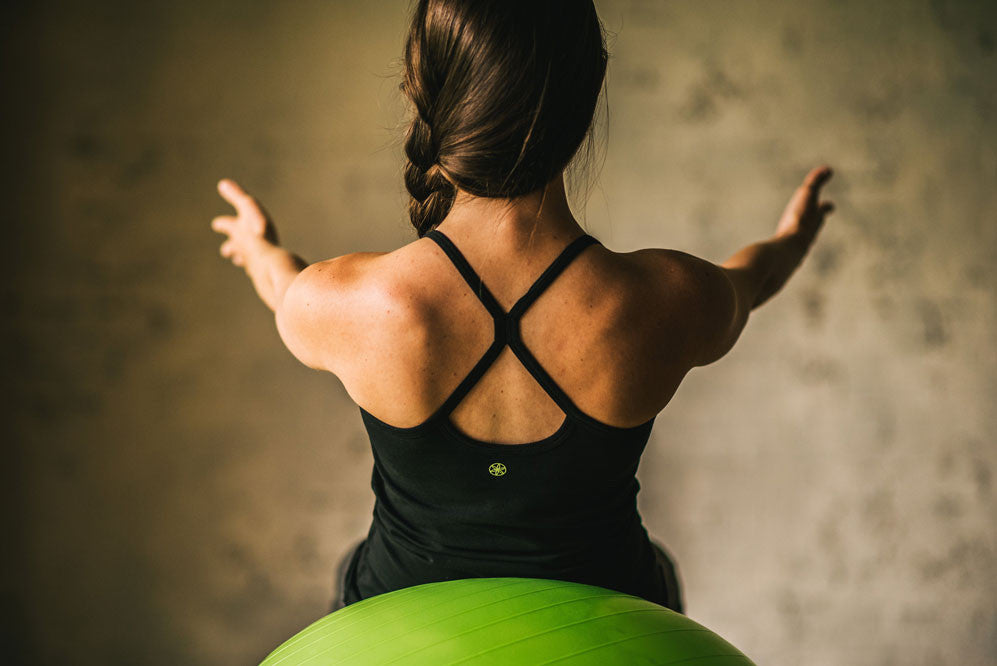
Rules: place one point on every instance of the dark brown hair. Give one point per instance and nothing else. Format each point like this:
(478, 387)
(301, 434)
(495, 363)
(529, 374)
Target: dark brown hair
(503, 91)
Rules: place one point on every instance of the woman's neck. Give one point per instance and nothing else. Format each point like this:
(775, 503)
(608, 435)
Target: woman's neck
(530, 220)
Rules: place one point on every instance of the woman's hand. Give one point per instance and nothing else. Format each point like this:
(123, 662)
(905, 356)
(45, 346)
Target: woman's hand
(805, 213)
(760, 270)
(250, 233)
(252, 244)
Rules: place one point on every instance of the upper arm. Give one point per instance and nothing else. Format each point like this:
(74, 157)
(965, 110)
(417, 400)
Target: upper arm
(313, 317)
(704, 299)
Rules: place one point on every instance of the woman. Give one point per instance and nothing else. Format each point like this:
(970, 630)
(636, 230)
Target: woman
(508, 367)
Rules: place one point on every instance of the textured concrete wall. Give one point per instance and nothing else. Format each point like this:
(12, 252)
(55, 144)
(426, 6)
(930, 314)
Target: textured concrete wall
(179, 488)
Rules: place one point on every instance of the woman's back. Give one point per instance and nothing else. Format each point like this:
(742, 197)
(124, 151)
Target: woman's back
(414, 328)
(560, 506)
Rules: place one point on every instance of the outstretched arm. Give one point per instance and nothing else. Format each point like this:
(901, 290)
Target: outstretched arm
(763, 268)
(755, 273)
(252, 243)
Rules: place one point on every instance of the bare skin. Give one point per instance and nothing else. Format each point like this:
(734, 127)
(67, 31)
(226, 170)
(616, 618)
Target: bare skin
(617, 331)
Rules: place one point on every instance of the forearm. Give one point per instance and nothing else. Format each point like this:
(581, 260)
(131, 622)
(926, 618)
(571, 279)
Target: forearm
(759, 270)
(272, 270)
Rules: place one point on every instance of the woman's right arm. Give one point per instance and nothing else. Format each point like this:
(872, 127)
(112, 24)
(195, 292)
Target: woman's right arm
(726, 294)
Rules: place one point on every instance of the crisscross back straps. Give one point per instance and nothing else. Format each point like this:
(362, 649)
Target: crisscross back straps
(507, 324)
(556, 267)
(470, 276)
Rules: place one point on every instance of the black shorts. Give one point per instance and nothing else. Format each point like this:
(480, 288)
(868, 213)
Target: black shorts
(675, 601)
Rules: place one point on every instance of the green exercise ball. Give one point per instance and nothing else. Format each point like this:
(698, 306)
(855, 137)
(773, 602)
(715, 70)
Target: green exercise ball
(508, 621)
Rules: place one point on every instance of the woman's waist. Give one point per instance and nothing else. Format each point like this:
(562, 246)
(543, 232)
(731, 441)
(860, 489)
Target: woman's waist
(549, 544)
(624, 563)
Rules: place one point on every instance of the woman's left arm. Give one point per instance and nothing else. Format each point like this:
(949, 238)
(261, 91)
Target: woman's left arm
(252, 243)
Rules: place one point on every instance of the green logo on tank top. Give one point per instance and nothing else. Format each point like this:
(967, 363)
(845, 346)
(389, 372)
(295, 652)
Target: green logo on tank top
(496, 469)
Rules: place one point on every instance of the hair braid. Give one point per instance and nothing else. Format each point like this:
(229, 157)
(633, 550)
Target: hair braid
(503, 92)
(432, 194)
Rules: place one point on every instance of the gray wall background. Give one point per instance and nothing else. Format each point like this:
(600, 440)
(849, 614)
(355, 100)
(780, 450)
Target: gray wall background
(179, 488)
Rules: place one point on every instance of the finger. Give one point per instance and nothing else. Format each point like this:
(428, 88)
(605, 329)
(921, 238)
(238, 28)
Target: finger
(817, 178)
(223, 224)
(227, 249)
(826, 208)
(799, 201)
(806, 194)
(238, 259)
(235, 195)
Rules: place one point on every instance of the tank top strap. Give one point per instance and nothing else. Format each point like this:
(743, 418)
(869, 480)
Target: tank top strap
(515, 340)
(507, 324)
(470, 276)
(556, 267)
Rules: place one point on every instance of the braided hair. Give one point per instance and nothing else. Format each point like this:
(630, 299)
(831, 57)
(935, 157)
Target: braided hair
(432, 194)
(503, 94)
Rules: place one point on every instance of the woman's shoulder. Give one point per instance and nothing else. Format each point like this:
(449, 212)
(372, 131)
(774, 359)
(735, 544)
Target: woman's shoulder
(337, 306)
(639, 278)
(656, 277)
(316, 315)
(648, 280)
(348, 301)
(353, 275)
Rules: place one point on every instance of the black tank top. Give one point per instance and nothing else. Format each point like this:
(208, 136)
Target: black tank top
(449, 506)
